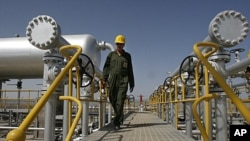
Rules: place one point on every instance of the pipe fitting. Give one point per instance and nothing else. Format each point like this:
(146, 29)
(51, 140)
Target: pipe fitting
(228, 28)
(43, 32)
(220, 55)
(104, 45)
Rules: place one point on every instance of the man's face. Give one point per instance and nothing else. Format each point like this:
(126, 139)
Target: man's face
(119, 46)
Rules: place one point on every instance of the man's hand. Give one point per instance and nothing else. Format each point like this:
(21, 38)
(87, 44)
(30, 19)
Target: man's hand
(105, 84)
(131, 89)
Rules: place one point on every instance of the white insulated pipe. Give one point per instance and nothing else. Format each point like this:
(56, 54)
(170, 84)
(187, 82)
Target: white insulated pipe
(228, 28)
(19, 59)
(237, 67)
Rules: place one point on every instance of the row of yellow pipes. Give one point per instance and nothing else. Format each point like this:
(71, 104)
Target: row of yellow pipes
(164, 98)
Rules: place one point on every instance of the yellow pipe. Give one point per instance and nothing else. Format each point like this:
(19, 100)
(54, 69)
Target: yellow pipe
(220, 80)
(206, 92)
(207, 104)
(196, 116)
(78, 115)
(70, 91)
(187, 100)
(18, 134)
(70, 86)
(176, 115)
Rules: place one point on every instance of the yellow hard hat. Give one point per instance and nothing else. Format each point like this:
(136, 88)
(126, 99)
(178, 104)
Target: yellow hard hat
(120, 39)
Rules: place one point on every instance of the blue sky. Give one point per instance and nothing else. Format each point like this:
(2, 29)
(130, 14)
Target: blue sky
(159, 33)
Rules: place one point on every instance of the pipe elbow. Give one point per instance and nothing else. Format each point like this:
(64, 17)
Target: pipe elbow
(104, 45)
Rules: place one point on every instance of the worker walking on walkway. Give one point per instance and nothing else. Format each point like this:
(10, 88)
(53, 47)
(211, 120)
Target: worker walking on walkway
(117, 75)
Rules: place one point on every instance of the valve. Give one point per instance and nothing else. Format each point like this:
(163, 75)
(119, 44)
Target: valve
(167, 82)
(166, 85)
(237, 53)
(86, 70)
(187, 72)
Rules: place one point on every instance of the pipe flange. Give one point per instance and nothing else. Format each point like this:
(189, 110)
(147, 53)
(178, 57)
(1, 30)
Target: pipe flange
(228, 28)
(43, 32)
(221, 55)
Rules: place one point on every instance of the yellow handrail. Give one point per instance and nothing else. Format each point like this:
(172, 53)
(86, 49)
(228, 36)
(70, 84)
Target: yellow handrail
(206, 90)
(18, 134)
(220, 80)
(70, 85)
(78, 115)
(196, 116)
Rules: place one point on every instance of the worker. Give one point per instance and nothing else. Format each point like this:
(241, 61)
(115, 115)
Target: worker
(118, 75)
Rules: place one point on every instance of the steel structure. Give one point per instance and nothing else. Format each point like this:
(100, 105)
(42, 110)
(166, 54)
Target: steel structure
(38, 56)
(200, 81)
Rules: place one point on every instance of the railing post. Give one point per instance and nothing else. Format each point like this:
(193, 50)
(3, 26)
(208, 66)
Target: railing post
(189, 117)
(221, 117)
(85, 114)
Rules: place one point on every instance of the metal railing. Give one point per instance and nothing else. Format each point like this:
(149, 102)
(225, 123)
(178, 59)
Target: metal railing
(27, 99)
(19, 133)
(168, 100)
(228, 90)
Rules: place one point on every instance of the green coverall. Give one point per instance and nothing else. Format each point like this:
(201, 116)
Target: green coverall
(118, 73)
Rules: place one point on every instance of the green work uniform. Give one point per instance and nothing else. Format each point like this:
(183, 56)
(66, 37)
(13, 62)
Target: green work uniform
(118, 73)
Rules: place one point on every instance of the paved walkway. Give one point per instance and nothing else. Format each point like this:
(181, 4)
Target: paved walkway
(139, 126)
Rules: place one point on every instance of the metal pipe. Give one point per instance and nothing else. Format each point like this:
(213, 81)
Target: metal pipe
(85, 116)
(20, 59)
(78, 115)
(228, 28)
(49, 133)
(19, 133)
(65, 118)
(220, 80)
(238, 67)
(104, 45)
(43, 33)
(30, 128)
(221, 118)
(196, 116)
(189, 118)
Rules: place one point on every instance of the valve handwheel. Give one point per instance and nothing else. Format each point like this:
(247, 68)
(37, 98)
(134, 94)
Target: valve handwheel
(187, 70)
(237, 50)
(86, 70)
(167, 82)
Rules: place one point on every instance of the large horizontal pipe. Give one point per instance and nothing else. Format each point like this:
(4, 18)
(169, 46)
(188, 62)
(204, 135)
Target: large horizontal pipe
(20, 59)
